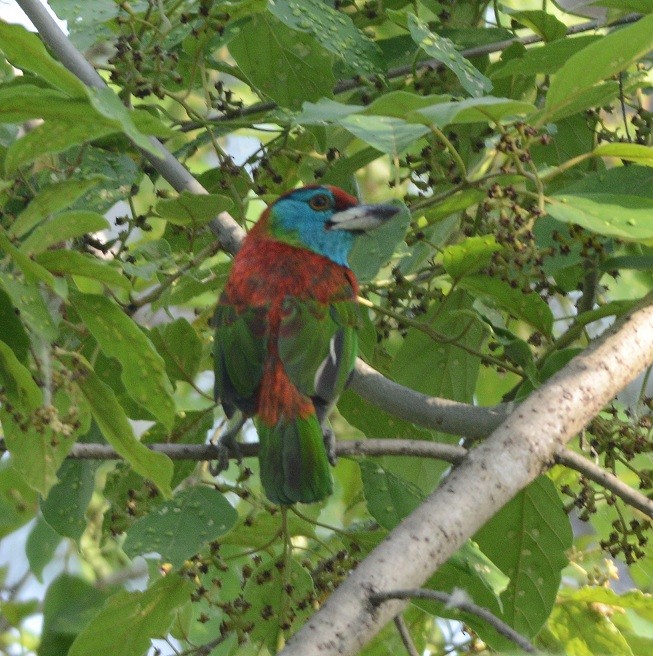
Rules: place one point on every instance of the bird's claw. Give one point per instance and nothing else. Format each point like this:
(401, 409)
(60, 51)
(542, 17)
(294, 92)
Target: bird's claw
(227, 447)
(329, 438)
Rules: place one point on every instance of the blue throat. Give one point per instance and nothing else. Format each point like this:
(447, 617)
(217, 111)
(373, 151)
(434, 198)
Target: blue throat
(294, 222)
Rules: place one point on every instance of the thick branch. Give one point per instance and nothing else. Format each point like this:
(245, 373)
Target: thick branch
(457, 601)
(428, 411)
(517, 452)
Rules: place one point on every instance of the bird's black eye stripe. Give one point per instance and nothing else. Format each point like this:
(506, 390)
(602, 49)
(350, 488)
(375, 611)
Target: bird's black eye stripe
(320, 202)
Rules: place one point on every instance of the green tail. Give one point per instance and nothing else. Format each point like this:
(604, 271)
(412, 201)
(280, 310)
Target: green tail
(293, 462)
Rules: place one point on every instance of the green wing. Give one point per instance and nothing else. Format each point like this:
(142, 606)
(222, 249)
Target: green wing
(239, 350)
(318, 345)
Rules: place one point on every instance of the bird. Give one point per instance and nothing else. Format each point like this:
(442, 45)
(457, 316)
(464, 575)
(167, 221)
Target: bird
(285, 338)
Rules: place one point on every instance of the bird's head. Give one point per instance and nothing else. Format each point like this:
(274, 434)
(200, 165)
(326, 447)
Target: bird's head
(325, 220)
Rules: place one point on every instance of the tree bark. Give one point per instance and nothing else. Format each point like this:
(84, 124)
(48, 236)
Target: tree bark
(514, 455)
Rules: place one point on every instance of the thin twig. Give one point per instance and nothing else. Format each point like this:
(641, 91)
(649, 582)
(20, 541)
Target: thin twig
(460, 603)
(377, 447)
(404, 633)
(346, 448)
(607, 480)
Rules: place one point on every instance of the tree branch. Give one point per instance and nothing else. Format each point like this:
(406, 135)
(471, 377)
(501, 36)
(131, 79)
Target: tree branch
(456, 600)
(514, 455)
(607, 480)
(428, 411)
(404, 633)
(346, 448)
(377, 447)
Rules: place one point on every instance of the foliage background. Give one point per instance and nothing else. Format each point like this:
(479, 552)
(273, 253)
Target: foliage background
(527, 174)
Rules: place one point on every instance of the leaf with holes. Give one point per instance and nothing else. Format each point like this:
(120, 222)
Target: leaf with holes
(285, 65)
(444, 50)
(179, 528)
(612, 215)
(333, 30)
(527, 539)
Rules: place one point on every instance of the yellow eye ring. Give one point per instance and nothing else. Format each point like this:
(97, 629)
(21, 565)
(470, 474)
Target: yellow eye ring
(320, 202)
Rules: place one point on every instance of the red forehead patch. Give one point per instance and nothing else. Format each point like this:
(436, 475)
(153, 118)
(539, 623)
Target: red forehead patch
(343, 199)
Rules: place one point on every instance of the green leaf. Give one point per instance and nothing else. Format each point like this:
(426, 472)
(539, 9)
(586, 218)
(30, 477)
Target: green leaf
(333, 30)
(49, 200)
(40, 441)
(33, 309)
(542, 23)
(117, 430)
(32, 271)
(374, 249)
(325, 111)
(109, 105)
(66, 225)
(80, 264)
(181, 527)
(638, 262)
(444, 50)
(599, 61)
(623, 216)
(17, 381)
(258, 529)
(527, 540)
(579, 630)
(70, 604)
(470, 256)
(544, 60)
(14, 612)
(18, 502)
(420, 355)
(22, 102)
(143, 369)
(40, 546)
(65, 506)
(400, 103)
(192, 210)
(181, 348)
(628, 151)
(471, 110)
(52, 137)
(456, 203)
(266, 591)
(12, 332)
(389, 498)
(388, 134)
(129, 620)
(286, 65)
(529, 307)
(88, 22)
(27, 52)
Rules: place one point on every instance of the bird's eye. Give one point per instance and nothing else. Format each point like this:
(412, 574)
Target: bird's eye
(320, 202)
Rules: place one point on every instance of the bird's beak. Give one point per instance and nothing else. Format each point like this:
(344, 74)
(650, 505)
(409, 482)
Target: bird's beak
(361, 218)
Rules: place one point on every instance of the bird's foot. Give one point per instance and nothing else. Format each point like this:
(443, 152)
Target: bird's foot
(329, 438)
(227, 446)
